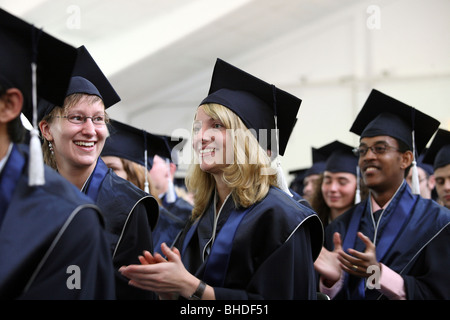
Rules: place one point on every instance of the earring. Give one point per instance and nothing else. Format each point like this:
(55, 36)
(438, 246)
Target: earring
(50, 146)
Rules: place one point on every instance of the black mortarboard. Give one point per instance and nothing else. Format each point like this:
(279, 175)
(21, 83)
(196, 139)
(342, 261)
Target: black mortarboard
(255, 102)
(174, 146)
(316, 168)
(298, 172)
(22, 43)
(39, 65)
(318, 162)
(428, 168)
(438, 153)
(340, 157)
(87, 68)
(297, 183)
(88, 78)
(384, 115)
(131, 143)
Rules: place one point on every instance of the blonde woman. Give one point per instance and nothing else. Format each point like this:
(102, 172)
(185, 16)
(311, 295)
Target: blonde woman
(247, 239)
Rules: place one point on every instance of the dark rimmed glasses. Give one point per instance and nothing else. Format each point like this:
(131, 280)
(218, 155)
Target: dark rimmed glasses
(98, 120)
(376, 149)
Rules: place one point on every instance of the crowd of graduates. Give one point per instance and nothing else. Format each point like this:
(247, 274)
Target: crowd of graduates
(90, 210)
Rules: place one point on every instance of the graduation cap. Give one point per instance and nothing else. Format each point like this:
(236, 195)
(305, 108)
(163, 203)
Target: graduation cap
(255, 102)
(170, 154)
(87, 78)
(298, 172)
(39, 65)
(133, 144)
(174, 146)
(428, 168)
(318, 162)
(438, 153)
(316, 168)
(340, 158)
(86, 68)
(260, 106)
(384, 115)
(297, 183)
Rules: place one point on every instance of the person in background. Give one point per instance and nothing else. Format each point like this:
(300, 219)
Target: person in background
(439, 156)
(52, 241)
(337, 189)
(427, 182)
(126, 169)
(242, 225)
(165, 164)
(394, 244)
(137, 147)
(296, 184)
(74, 135)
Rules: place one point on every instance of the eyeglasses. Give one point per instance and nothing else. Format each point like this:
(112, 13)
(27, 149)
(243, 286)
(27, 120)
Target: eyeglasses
(98, 120)
(376, 149)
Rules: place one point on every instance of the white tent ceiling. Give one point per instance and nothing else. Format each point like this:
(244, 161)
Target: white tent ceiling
(159, 55)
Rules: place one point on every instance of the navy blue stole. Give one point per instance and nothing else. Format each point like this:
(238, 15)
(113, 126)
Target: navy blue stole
(11, 173)
(219, 257)
(400, 209)
(92, 187)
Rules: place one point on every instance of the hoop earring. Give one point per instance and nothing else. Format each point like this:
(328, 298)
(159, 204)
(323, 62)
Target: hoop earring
(50, 146)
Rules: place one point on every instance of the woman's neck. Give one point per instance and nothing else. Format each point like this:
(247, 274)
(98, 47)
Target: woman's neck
(222, 191)
(76, 175)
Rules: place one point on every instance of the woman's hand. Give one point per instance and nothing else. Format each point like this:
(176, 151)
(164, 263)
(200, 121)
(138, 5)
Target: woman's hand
(167, 277)
(327, 264)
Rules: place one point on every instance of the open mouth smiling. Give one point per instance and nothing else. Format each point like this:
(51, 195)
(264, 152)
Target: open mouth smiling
(86, 144)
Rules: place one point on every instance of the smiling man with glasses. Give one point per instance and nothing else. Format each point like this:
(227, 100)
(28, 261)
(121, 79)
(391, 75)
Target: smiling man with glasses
(394, 244)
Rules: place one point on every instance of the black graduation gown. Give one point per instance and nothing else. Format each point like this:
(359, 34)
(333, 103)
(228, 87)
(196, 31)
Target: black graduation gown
(130, 215)
(172, 220)
(271, 255)
(419, 250)
(300, 199)
(47, 229)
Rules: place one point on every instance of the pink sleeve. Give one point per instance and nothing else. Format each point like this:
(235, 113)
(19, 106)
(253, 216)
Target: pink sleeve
(391, 284)
(332, 291)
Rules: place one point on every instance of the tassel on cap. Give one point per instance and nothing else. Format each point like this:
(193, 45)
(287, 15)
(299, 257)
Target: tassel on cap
(281, 180)
(415, 175)
(36, 162)
(415, 179)
(146, 187)
(170, 195)
(358, 186)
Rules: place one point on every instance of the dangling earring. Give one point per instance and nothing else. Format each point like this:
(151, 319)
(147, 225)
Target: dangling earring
(50, 146)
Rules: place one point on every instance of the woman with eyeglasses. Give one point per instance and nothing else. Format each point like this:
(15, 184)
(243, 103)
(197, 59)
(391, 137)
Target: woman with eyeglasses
(74, 136)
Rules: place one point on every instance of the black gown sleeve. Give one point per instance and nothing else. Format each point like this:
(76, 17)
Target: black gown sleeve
(79, 266)
(428, 279)
(136, 237)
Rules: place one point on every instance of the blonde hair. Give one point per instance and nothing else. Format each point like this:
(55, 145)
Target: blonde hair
(69, 102)
(248, 180)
